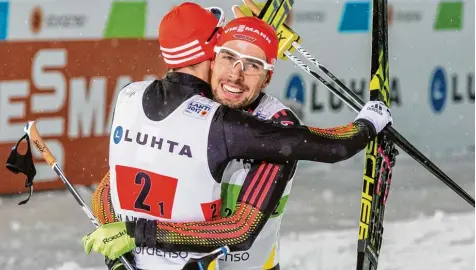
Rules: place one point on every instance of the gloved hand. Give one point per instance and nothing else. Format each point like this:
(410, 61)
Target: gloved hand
(377, 114)
(249, 8)
(286, 35)
(111, 240)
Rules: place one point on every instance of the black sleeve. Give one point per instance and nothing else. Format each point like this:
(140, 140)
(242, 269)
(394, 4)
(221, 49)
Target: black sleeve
(259, 197)
(275, 176)
(265, 183)
(255, 139)
(248, 137)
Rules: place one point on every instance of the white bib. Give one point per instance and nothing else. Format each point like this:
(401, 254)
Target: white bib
(159, 169)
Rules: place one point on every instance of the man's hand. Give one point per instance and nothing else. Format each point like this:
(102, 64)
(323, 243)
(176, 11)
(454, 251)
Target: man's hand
(111, 240)
(255, 10)
(376, 113)
(285, 34)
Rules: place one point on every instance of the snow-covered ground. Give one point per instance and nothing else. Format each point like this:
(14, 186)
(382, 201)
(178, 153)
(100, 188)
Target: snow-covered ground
(440, 242)
(427, 226)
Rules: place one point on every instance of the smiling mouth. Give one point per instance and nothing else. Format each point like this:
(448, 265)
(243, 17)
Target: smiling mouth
(231, 89)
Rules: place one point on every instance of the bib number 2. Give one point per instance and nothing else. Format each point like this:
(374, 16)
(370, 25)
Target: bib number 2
(146, 192)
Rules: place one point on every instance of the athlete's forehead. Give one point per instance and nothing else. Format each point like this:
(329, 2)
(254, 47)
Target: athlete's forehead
(247, 48)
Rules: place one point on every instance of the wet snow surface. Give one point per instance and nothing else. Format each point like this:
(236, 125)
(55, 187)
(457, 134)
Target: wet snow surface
(427, 226)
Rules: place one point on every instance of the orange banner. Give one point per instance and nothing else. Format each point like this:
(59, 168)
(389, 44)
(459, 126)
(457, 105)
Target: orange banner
(68, 88)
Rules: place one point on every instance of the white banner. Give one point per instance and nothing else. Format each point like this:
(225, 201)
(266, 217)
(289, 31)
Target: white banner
(431, 48)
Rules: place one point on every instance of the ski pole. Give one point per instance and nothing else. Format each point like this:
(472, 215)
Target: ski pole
(34, 135)
(206, 262)
(290, 39)
(356, 103)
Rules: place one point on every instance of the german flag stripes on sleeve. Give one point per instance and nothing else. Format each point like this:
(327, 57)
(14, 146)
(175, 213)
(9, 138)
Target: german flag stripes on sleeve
(101, 202)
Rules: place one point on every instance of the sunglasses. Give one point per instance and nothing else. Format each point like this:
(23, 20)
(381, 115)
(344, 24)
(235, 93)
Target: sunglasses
(220, 15)
(250, 65)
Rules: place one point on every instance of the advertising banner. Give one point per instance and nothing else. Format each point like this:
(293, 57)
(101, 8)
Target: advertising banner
(67, 87)
(62, 64)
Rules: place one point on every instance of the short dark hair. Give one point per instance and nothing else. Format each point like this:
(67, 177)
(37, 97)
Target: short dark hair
(194, 67)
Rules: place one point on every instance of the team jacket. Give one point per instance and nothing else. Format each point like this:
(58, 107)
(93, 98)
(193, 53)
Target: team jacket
(236, 180)
(232, 135)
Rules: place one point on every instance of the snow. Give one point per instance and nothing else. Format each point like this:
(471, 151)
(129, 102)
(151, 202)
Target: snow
(427, 226)
(438, 242)
(442, 241)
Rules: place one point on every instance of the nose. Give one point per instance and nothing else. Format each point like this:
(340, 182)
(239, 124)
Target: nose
(236, 71)
(239, 62)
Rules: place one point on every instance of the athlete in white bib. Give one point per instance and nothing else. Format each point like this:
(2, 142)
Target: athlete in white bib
(171, 147)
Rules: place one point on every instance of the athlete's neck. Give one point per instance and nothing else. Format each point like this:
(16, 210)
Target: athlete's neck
(201, 71)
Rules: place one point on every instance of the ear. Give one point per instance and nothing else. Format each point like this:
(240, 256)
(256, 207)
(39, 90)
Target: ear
(266, 80)
(212, 64)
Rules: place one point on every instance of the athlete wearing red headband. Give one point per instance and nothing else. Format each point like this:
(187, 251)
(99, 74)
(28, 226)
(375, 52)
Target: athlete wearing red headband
(171, 148)
(245, 55)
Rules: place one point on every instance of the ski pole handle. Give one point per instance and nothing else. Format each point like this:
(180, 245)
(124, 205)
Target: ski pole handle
(35, 137)
(274, 13)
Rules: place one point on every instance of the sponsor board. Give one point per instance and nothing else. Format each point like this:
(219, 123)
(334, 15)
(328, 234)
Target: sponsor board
(432, 89)
(65, 63)
(68, 87)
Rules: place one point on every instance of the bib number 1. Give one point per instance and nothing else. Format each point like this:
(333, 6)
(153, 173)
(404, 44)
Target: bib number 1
(145, 192)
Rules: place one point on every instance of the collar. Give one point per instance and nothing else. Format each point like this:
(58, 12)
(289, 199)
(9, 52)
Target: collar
(199, 86)
(250, 108)
(195, 84)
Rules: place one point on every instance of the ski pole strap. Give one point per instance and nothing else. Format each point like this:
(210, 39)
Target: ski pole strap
(18, 163)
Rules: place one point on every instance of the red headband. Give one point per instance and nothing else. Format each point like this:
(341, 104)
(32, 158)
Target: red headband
(255, 31)
(185, 35)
